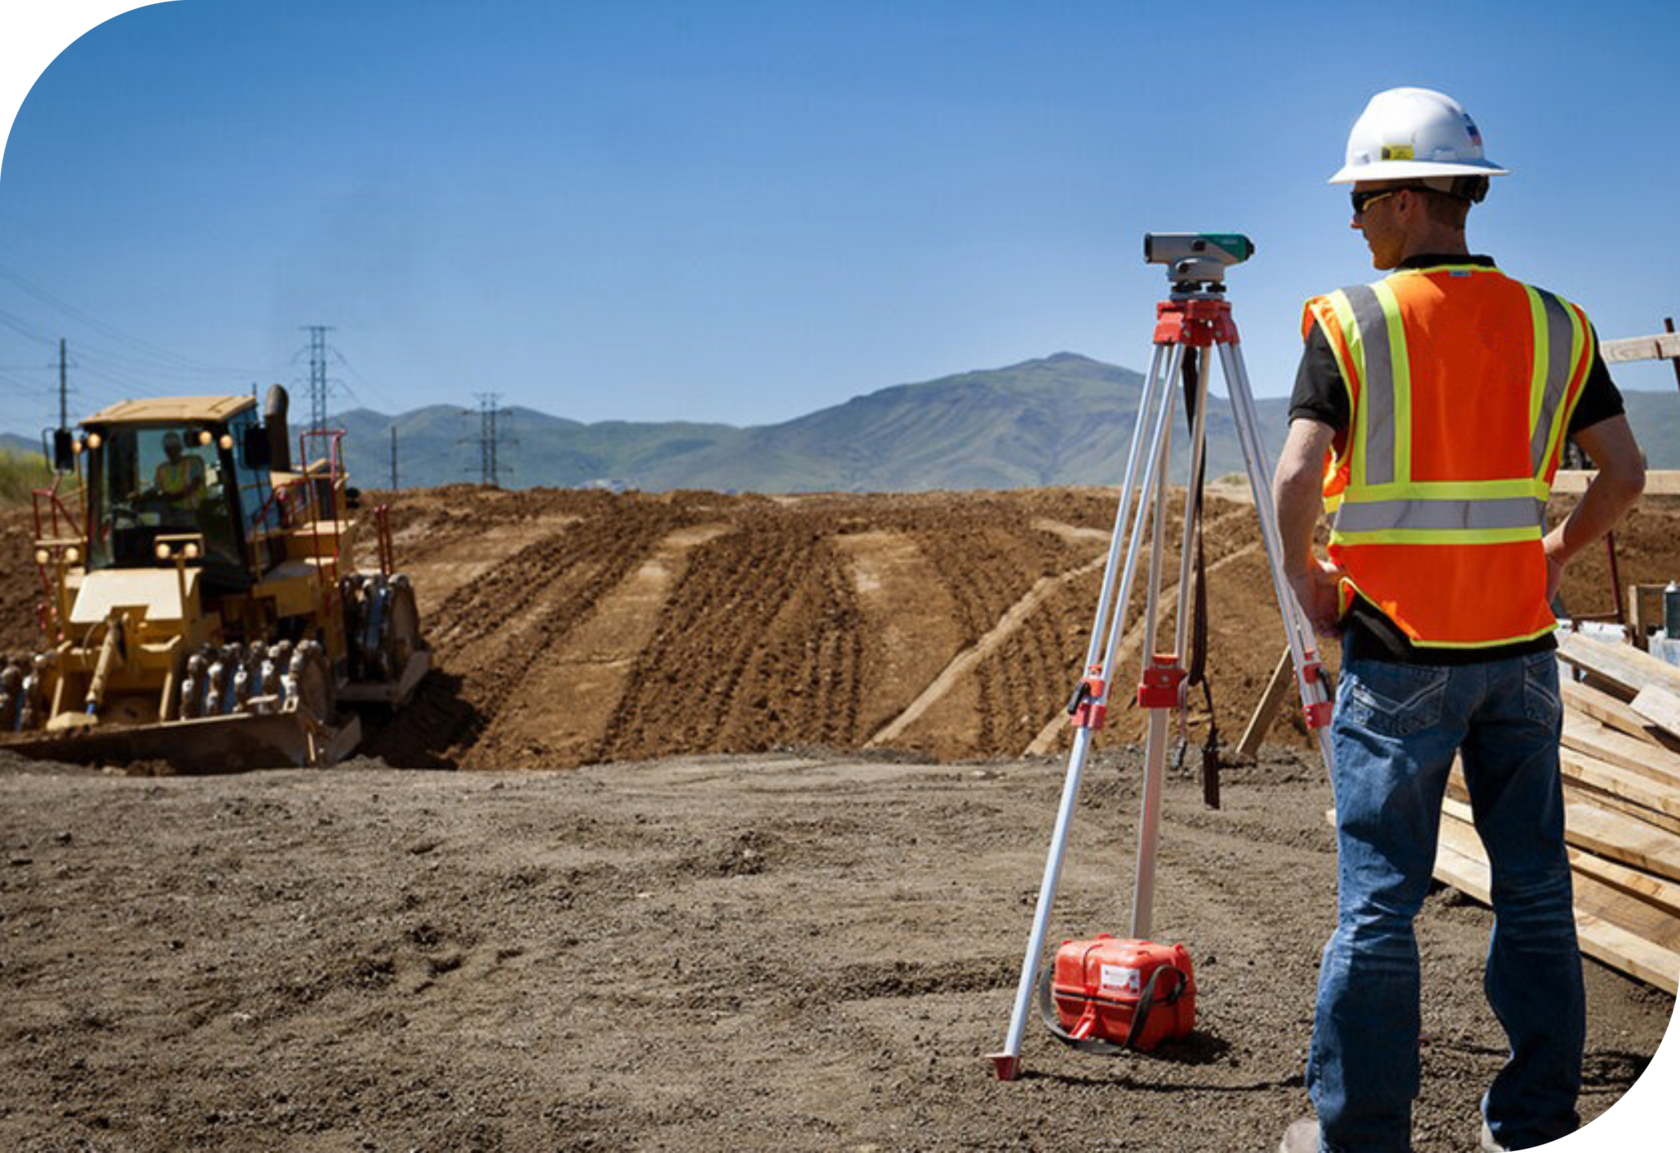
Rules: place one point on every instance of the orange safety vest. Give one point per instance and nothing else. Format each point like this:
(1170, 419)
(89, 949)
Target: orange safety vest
(1461, 382)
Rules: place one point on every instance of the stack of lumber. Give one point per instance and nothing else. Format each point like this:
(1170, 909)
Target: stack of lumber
(1621, 771)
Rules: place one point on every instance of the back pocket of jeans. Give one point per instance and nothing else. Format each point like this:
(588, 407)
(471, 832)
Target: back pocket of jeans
(1394, 700)
(1540, 687)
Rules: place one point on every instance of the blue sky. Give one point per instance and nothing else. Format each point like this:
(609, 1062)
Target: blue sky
(744, 211)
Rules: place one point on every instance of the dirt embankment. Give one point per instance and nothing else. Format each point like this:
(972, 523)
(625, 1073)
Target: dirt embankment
(574, 627)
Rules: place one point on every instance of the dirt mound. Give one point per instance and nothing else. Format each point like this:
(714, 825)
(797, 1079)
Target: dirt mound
(575, 627)
(591, 627)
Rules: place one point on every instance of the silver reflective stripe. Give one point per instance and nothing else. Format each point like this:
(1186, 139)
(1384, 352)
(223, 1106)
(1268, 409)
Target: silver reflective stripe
(1559, 344)
(1378, 398)
(1437, 515)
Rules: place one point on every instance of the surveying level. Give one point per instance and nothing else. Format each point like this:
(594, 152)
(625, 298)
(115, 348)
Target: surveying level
(1107, 1014)
(1198, 259)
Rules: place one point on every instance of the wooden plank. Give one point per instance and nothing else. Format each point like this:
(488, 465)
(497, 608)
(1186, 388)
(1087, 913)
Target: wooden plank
(1659, 346)
(1622, 838)
(1622, 665)
(1664, 895)
(1618, 781)
(1600, 939)
(1282, 678)
(1574, 481)
(1613, 713)
(1660, 707)
(1652, 762)
(1461, 862)
(1576, 790)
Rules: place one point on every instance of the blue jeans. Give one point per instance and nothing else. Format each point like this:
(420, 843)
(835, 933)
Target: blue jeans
(1395, 730)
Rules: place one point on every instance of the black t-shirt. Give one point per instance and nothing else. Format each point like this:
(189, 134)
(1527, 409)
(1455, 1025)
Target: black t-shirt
(1321, 395)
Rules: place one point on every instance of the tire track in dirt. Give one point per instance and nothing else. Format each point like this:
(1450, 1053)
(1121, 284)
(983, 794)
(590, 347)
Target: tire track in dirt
(1014, 619)
(491, 632)
(587, 670)
(908, 632)
(1028, 660)
(989, 562)
(761, 646)
(1051, 734)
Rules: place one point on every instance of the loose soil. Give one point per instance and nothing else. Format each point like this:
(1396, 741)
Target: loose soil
(766, 788)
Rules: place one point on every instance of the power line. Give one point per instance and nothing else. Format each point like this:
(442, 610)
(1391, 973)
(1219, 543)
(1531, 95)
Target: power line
(166, 358)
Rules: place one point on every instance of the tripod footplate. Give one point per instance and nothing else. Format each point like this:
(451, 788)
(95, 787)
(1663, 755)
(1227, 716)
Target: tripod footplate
(1007, 1066)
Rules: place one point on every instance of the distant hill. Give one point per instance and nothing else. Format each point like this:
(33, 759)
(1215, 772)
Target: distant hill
(20, 445)
(1061, 420)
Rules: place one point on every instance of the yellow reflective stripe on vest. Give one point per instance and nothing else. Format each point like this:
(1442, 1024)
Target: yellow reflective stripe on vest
(1371, 345)
(1557, 343)
(1443, 512)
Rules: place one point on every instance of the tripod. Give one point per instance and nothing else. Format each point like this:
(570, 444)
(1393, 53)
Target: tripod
(1194, 318)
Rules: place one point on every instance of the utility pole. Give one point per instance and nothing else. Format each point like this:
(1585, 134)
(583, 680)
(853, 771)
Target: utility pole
(63, 384)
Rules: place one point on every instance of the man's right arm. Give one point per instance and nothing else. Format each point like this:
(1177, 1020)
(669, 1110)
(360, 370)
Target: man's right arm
(1296, 495)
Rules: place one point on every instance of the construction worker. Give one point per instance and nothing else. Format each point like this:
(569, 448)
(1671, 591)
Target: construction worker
(179, 479)
(1428, 416)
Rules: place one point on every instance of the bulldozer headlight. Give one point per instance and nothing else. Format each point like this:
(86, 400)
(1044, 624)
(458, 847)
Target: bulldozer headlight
(95, 440)
(191, 551)
(162, 551)
(43, 557)
(72, 555)
(204, 436)
(226, 442)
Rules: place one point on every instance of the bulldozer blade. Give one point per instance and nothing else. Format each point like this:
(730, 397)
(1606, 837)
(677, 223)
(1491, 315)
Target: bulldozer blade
(227, 744)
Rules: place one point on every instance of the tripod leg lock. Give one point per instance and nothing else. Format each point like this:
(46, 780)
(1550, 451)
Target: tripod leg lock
(1318, 712)
(1088, 708)
(1161, 687)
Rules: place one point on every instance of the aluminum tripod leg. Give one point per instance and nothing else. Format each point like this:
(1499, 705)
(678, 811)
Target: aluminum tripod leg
(1155, 745)
(1153, 417)
(1309, 672)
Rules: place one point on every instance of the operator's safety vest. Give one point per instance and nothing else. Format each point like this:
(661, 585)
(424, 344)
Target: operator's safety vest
(175, 477)
(1461, 382)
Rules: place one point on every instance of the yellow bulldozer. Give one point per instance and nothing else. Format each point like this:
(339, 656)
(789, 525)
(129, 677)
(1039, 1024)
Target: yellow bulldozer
(201, 598)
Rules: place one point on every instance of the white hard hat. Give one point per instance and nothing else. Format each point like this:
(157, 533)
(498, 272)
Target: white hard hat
(1414, 134)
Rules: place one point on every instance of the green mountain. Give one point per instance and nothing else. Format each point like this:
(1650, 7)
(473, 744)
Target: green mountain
(1061, 420)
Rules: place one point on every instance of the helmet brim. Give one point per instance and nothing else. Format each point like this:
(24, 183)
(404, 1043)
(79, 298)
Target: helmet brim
(1414, 170)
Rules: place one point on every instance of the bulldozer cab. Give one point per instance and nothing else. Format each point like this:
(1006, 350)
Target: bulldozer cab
(156, 474)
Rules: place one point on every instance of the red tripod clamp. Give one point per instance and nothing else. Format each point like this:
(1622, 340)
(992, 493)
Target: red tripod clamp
(1317, 714)
(1089, 707)
(1162, 679)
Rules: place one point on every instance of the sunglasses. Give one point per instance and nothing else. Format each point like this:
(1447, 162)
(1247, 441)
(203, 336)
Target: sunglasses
(1364, 200)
